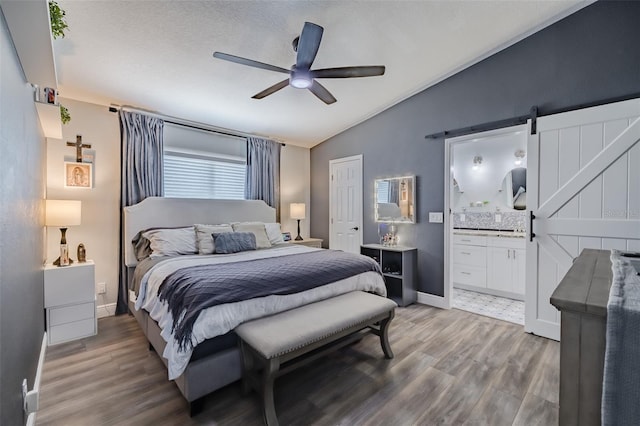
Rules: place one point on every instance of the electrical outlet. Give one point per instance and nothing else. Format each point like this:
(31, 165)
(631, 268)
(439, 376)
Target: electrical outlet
(498, 217)
(463, 217)
(436, 217)
(102, 288)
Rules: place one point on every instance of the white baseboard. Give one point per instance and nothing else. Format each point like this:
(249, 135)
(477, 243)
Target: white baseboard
(432, 300)
(106, 310)
(31, 399)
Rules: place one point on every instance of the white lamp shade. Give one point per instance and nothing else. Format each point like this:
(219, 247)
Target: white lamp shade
(63, 213)
(297, 211)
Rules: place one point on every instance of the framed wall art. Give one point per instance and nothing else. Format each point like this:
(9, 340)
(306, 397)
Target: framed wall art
(78, 175)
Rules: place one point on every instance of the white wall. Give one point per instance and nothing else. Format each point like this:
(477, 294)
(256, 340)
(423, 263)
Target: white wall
(295, 187)
(101, 204)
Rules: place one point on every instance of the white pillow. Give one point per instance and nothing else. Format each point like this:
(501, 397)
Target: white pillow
(258, 229)
(171, 242)
(274, 233)
(204, 237)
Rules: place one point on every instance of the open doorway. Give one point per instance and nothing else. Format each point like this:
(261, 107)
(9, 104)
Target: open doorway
(485, 195)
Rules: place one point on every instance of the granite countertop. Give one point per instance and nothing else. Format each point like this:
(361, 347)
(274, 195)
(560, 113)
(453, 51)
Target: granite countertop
(489, 233)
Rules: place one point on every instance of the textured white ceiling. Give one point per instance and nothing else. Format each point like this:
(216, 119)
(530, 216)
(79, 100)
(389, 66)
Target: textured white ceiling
(157, 55)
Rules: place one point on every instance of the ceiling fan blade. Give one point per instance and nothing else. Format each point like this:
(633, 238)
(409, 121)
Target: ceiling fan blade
(349, 72)
(308, 45)
(248, 62)
(271, 90)
(322, 93)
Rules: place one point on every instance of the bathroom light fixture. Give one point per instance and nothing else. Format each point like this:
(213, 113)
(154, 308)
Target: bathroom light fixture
(519, 156)
(477, 161)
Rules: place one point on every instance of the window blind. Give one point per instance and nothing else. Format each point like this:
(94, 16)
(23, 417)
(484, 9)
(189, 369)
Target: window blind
(187, 176)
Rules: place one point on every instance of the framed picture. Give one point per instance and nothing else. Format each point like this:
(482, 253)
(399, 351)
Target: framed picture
(286, 236)
(77, 175)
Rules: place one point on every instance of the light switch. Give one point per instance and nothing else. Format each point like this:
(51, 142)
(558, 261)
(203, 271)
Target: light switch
(436, 217)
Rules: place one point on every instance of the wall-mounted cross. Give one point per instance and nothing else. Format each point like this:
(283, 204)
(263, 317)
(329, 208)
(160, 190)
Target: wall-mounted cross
(79, 145)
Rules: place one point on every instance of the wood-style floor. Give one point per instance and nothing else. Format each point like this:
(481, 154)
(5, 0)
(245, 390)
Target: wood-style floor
(450, 367)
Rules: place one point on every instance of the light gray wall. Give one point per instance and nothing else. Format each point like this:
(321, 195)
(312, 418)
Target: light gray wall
(22, 159)
(587, 57)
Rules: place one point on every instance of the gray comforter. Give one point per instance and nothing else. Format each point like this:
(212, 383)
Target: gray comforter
(189, 291)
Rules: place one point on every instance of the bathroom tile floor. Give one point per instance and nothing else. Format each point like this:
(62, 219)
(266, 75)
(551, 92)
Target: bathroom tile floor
(488, 305)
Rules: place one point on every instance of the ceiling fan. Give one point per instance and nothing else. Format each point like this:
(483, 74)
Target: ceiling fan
(301, 76)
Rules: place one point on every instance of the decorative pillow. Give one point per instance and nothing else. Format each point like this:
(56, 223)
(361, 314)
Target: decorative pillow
(258, 229)
(204, 240)
(234, 242)
(141, 246)
(171, 242)
(274, 233)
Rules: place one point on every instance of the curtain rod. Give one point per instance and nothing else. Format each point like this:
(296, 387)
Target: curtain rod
(189, 123)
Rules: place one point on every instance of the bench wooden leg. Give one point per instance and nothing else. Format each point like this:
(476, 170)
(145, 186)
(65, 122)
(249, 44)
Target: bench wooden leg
(384, 336)
(247, 367)
(270, 373)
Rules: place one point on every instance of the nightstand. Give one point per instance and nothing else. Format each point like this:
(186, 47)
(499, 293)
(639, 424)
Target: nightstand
(70, 302)
(309, 242)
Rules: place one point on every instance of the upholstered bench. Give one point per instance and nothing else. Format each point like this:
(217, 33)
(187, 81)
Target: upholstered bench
(280, 343)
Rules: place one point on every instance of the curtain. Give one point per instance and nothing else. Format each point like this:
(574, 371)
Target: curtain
(142, 176)
(263, 172)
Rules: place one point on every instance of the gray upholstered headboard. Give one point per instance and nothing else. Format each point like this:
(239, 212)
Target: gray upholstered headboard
(169, 212)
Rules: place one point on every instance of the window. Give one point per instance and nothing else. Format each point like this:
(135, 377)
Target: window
(187, 176)
(203, 164)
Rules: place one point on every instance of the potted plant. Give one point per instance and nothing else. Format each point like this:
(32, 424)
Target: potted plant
(58, 22)
(65, 117)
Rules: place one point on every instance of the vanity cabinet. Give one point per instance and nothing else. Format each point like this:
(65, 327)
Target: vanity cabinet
(398, 265)
(470, 260)
(489, 264)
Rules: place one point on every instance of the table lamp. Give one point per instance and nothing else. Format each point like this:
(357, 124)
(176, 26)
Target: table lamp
(63, 213)
(297, 211)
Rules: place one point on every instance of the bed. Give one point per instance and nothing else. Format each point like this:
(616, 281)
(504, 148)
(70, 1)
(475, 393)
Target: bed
(211, 358)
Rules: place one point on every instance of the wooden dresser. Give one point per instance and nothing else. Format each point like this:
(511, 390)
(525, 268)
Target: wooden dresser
(582, 298)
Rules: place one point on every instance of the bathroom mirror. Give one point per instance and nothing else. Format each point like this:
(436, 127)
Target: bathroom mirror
(395, 199)
(514, 188)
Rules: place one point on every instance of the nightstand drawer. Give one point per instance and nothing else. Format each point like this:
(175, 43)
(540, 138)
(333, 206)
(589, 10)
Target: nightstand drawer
(69, 284)
(72, 330)
(310, 242)
(66, 314)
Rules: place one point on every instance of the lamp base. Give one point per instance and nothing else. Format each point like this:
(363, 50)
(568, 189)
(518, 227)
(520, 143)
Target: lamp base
(298, 238)
(57, 262)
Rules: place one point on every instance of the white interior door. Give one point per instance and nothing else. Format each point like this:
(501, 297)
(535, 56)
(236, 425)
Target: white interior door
(584, 190)
(345, 204)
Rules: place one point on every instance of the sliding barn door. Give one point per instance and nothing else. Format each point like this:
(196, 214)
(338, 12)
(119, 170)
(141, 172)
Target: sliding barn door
(584, 191)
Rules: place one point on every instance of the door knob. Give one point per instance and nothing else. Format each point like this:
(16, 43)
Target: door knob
(355, 228)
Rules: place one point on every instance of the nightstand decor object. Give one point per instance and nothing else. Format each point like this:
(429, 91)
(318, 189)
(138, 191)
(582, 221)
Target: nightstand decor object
(63, 213)
(82, 253)
(297, 211)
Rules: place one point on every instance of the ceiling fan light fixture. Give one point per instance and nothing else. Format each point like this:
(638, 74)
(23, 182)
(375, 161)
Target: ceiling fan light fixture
(300, 79)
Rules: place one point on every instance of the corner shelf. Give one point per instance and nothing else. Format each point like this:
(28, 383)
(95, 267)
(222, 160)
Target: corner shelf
(49, 115)
(30, 29)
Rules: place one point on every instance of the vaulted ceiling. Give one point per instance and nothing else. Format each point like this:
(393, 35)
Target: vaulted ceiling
(157, 55)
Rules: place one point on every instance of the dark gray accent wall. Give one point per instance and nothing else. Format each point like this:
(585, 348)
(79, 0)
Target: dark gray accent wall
(22, 163)
(588, 57)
